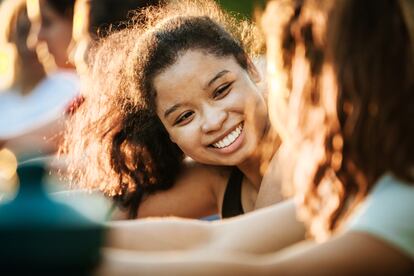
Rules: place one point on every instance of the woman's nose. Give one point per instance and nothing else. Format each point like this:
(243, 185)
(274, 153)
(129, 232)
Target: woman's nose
(213, 119)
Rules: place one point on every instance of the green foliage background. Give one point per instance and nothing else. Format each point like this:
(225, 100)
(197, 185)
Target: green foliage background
(242, 7)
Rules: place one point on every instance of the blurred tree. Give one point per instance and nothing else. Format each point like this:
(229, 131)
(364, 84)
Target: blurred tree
(244, 8)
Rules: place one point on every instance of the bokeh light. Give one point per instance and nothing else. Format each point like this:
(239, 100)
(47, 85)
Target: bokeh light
(8, 178)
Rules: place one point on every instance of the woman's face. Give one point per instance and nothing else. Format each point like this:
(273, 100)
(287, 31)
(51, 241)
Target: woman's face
(56, 31)
(211, 108)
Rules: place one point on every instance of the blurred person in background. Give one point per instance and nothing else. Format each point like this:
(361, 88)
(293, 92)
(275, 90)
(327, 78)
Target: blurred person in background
(33, 113)
(24, 67)
(31, 108)
(20, 73)
(51, 33)
(52, 22)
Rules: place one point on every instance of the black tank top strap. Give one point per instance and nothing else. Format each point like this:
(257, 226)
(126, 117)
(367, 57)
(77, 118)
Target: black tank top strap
(232, 204)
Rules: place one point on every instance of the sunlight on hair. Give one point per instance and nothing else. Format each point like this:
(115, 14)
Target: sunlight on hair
(8, 166)
(8, 51)
(275, 16)
(7, 64)
(80, 19)
(33, 8)
(329, 98)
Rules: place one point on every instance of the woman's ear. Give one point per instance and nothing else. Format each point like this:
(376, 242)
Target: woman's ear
(253, 71)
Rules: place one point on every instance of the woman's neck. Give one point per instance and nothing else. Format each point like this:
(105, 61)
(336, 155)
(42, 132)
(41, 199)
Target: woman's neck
(251, 170)
(254, 167)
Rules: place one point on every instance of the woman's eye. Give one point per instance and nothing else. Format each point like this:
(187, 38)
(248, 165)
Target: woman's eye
(183, 117)
(222, 90)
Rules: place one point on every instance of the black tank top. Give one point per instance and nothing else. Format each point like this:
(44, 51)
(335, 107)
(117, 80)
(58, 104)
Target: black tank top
(232, 204)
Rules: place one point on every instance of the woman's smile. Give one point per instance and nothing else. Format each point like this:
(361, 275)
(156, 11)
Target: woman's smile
(230, 142)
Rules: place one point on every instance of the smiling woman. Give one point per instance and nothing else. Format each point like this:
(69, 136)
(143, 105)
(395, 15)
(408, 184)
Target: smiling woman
(206, 119)
(181, 84)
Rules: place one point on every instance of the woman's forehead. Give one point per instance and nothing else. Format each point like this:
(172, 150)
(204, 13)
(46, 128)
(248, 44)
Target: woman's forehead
(194, 66)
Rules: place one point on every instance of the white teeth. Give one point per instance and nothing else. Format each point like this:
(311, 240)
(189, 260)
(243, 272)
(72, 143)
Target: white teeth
(229, 139)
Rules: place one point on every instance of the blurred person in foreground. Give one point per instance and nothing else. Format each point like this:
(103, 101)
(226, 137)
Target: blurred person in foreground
(353, 175)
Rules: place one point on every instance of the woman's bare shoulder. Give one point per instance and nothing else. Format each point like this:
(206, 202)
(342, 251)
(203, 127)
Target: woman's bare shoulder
(213, 177)
(196, 193)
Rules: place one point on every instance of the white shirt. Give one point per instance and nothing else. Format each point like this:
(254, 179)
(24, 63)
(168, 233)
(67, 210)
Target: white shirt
(47, 102)
(388, 214)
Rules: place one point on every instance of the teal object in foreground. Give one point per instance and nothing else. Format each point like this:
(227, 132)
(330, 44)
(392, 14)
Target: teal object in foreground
(40, 236)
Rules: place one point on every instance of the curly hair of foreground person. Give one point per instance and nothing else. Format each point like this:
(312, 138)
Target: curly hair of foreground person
(356, 103)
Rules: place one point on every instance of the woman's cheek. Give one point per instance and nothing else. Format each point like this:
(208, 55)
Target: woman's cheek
(185, 137)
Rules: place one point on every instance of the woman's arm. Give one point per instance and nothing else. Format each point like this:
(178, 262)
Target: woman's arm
(125, 262)
(350, 254)
(266, 230)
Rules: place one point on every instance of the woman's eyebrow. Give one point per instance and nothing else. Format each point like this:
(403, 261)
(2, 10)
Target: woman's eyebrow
(171, 110)
(216, 77)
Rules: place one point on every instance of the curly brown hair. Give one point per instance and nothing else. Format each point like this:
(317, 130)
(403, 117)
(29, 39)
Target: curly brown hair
(115, 142)
(356, 105)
